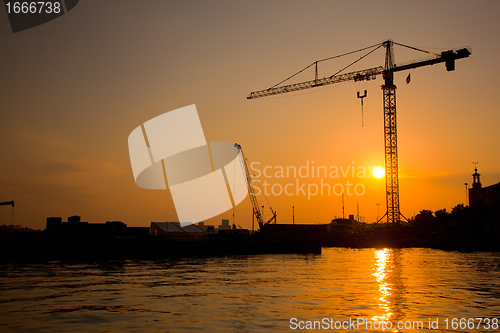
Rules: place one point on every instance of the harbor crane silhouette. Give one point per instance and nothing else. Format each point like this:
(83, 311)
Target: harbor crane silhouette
(393, 213)
(257, 212)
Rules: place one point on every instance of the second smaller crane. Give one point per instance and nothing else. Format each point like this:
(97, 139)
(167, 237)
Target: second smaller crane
(257, 213)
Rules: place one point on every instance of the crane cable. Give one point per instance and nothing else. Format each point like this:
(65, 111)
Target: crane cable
(417, 49)
(348, 53)
(355, 61)
(362, 115)
(338, 56)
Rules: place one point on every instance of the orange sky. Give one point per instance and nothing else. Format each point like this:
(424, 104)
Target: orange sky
(73, 89)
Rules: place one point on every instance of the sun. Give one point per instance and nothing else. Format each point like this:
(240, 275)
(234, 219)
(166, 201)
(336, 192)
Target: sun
(378, 172)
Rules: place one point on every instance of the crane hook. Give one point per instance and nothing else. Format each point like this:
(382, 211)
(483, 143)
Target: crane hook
(362, 115)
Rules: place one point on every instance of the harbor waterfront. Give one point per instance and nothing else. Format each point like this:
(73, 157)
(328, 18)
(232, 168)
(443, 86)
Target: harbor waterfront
(255, 293)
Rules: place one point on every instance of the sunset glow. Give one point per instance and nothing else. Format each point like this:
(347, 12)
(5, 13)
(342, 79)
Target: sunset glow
(65, 124)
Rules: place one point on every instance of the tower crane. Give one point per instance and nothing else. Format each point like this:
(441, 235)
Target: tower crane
(257, 213)
(389, 93)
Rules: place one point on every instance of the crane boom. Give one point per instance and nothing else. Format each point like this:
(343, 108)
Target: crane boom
(6, 203)
(365, 74)
(253, 197)
(389, 93)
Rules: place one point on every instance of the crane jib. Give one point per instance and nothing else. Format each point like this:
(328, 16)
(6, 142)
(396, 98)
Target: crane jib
(364, 74)
(448, 57)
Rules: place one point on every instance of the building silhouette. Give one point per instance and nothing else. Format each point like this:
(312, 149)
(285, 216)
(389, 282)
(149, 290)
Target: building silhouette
(174, 231)
(76, 228)
(489, 195)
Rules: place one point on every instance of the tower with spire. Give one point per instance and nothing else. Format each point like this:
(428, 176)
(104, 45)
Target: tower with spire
(476, 192)
(476, 181)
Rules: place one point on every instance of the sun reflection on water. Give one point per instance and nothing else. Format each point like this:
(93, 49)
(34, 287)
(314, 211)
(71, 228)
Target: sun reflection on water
(387, 271)
(381, 273)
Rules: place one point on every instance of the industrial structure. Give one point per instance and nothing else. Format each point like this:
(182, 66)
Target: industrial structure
(257, 212)
(7, 203)
(174, 231)
(489, 195)
(389, 92)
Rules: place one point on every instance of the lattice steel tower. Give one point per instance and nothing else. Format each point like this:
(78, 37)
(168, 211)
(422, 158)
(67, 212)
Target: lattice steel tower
(391, 139)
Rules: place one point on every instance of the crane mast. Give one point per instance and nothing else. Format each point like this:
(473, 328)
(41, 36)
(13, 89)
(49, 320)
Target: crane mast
(389, 96)
(253, 197)
(391, 140)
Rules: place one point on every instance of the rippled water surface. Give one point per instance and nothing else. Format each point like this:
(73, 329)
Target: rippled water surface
(251, 293)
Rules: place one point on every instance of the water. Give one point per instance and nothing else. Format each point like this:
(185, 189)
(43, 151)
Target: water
(252, 293)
